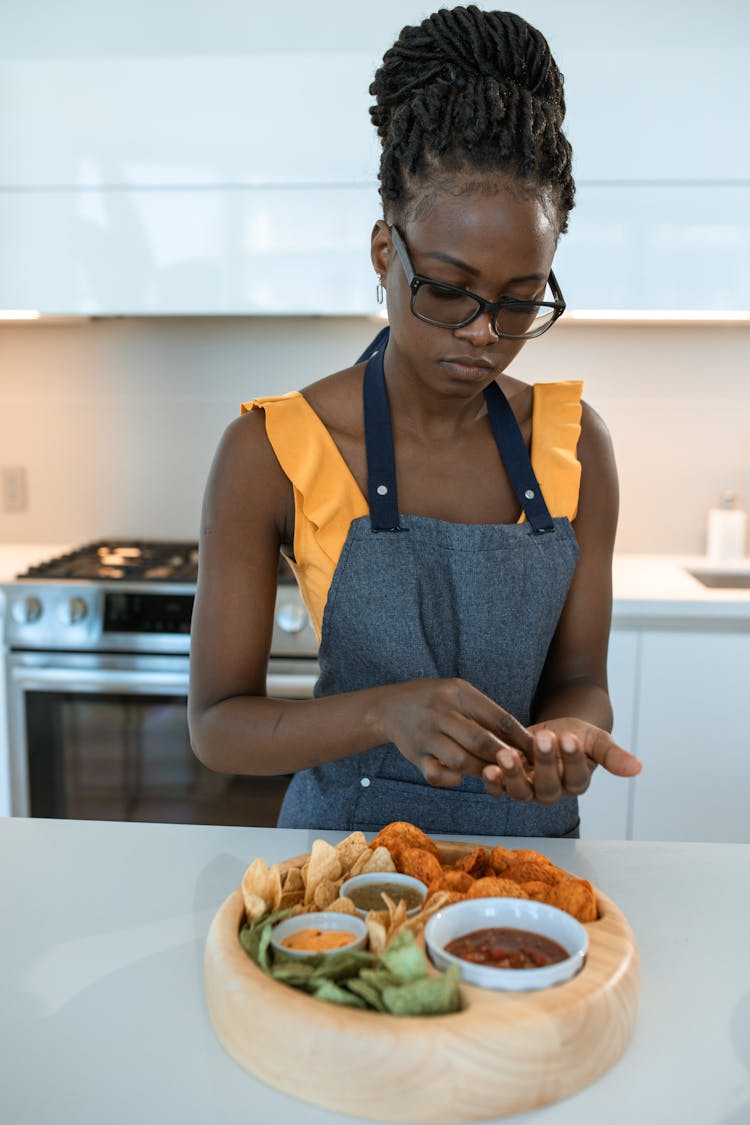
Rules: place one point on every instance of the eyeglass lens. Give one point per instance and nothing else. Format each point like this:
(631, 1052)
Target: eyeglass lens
(450, 308)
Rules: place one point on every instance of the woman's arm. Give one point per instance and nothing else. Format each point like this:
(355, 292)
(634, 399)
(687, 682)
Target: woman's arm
(446, 728)
(572, 711)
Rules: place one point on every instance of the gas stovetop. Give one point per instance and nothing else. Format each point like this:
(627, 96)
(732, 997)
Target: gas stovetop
(130, 595)
(132, 560)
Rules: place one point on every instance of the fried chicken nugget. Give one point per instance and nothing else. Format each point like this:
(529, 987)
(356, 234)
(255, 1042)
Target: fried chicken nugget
(474, 864)
(527, 871)
(418, 863)
(401, 834)
(526, 855)
(459, 881)
(576, 897)
(537, 891)
(491, 886)
(499, 858)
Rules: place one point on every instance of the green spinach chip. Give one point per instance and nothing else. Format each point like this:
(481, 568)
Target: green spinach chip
(400, 983)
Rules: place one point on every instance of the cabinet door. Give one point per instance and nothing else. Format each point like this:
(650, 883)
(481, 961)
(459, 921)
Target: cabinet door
(692, 735)
(606, 807)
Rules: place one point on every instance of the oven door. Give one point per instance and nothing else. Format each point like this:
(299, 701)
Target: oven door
(105, 737)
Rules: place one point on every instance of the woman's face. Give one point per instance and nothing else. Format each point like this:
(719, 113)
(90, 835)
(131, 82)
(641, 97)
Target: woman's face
(496, 245)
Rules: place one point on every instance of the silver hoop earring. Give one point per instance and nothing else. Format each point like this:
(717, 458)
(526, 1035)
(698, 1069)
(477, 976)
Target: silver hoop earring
(379, 291)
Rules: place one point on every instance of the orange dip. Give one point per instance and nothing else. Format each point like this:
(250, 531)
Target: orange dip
(318, 941)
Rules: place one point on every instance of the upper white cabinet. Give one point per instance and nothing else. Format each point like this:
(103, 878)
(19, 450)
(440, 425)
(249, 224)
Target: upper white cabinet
(183, 158)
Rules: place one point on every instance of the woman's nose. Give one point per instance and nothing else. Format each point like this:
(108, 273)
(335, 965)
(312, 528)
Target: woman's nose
(479, 332)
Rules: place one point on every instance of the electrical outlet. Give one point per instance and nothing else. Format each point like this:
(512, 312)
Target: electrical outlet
(15, 493)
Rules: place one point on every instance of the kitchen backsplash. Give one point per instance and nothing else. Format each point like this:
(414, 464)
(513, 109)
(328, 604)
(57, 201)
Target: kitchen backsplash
(115, 422)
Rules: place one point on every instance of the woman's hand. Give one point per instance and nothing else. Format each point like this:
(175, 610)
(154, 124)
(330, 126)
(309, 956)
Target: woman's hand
(564, 755)
(448, 729)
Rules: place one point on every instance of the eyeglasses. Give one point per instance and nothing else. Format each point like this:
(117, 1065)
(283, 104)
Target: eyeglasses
(448, 306)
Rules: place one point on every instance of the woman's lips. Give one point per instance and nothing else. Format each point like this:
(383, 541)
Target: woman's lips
(468, 367)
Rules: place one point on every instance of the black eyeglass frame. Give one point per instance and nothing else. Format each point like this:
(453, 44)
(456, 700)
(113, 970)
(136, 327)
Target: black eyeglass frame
(416, 280)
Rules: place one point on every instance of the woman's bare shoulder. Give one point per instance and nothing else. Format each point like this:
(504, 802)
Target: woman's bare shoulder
(595, 444)
(246, 478)
(337, 399)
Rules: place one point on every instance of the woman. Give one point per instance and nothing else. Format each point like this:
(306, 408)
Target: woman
(460, 587)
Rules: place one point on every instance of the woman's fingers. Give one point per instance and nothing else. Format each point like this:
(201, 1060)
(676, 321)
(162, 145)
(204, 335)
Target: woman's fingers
(495, 719)
(614, 759)
(577, 767)
(516, 782)
(547, 779)
(438, 774)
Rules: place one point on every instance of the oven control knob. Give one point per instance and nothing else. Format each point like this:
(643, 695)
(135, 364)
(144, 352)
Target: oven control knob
(291, 618)
(73, 611)
(27, 610)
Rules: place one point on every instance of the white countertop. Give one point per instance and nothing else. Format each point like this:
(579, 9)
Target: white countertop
(661, 586)
(102, 1013)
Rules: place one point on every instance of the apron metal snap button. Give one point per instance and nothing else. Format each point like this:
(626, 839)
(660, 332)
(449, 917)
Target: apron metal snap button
(382, 490)
(529, 494)
(364, 782)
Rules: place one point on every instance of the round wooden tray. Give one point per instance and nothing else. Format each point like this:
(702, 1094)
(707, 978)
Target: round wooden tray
(503, 1053)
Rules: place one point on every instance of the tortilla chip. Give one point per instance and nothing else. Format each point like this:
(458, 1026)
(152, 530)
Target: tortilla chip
(342, 906)
(264, 882)
(380, 860)
(360, 863)
(290, 899)
(350, 849)
(293, 880)
(255, 906)
(325, 893)
(324, 864)
(377, 933)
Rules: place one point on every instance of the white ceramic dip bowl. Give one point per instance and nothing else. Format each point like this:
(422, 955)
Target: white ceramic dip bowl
(326, 921)
(386, 879)
(465, 917)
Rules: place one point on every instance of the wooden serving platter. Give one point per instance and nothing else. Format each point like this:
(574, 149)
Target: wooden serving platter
(503, 1053)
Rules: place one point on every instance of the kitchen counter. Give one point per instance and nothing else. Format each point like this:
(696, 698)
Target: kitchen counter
(102, 1012)
(659, 586)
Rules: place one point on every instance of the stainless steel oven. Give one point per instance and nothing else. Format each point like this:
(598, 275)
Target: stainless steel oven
(97, 690)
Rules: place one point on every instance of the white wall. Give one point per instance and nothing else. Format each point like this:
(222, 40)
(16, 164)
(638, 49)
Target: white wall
(116, 421)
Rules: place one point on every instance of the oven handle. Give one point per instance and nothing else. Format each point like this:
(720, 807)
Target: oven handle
(279, 685)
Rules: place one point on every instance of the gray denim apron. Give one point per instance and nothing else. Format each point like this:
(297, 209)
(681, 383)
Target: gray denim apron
(417, 598)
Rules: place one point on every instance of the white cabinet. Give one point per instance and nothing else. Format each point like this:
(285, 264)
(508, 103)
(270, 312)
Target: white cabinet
(181, 251)
(693, 734)
(606, 807)
(679, 688)
(181, 161)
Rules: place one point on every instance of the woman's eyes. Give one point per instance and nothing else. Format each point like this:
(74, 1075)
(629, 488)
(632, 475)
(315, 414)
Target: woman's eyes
(445, 294)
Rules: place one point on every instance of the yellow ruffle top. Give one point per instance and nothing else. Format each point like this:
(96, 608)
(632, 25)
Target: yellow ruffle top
(327, 498)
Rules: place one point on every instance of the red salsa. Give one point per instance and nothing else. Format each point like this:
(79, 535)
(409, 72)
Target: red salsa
(506, 948)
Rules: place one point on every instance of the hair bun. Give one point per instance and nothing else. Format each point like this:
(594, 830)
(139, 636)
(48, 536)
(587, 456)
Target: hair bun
(473, 87)
(455, 46)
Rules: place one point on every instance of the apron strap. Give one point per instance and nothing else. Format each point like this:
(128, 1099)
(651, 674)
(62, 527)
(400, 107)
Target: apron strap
(382, 494)
(515, 457)
(381, 463)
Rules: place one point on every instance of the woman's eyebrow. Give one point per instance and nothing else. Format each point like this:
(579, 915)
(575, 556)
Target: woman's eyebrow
(441, 257)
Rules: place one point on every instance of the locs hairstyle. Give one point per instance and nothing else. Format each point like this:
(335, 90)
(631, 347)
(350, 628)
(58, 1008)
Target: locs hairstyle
(465, 96)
